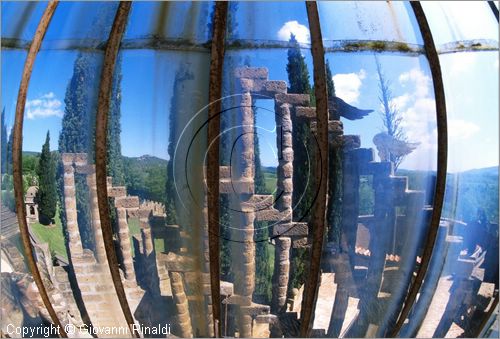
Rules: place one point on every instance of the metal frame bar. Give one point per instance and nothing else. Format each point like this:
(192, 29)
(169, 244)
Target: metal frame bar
(345, 46)
(105, 89)
(318, 218)
(17, 149)
(214, 96)
(494, 8)
(442, 163)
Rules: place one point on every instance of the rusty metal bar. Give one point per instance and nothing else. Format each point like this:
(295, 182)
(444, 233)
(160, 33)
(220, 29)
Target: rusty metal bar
(170, 44)
(17, 149)
(214, 108)
(101, 151)
(442, 162)
(318, 218)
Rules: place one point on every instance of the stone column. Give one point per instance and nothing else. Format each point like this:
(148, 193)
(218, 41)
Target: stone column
(283, 204)
(181, 303)
(124, 242)
(281, 273)
(75, 242)
(96, 220)
(243, 246)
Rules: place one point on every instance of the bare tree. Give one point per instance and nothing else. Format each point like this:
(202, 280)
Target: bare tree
(393, 143)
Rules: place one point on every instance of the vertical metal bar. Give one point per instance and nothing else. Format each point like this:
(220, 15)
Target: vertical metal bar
(17, 149)
(442, 162)
(101, 151)
(214, 108)
(318, 218)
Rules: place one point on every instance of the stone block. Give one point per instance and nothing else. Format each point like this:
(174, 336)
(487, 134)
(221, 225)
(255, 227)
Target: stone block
(67, 158)
(228, 186)
(251, 72)
(275, 86)
(127, 202)
(305, 112)
(293, 99)
(255, 309)
(117, 192)
(237, 300)
(85, 169)
(291, 229)
(224, 172)
(226, 288)
(80, 159)
(176, 263)
(350, 142)
(300, 243)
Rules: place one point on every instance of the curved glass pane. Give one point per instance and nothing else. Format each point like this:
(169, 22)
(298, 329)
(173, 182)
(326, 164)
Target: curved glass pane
(382, 164)
(464, 270)
(454, 21)
(368, 20)
(180, 21)
(19, 20)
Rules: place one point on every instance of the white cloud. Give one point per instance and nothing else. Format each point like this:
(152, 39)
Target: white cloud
(348, 85)
(300, 31)
(45, 106)
(459, 129)
(418, 79)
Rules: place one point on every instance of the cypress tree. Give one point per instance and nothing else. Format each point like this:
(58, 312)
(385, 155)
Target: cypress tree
(298, 79)
(4, 143)
(47, 191)
(335, 189)
(78, 124)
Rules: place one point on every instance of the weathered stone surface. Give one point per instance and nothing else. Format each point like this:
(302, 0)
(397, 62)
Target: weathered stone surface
(238, 300)
(115, 192)
(255, 309)
(226, 288)
(228, 186)
(251, 72)
(224, 172)
(176, 263)
(351, 142)
(275, 86)
(292, 229)
(293, 99)
(85, 169)
(305, 112)
(258, 202)
(127, 202)
(271, 215)
(300, 243)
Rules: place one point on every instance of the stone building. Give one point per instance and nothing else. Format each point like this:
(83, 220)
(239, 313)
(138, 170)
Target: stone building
(31, 204)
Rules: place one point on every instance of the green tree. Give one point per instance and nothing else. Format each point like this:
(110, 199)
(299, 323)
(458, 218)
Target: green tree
(47, 190)
(335, 189)
(4, 144)
(183, 74)
(78, 131)
(263, 262)
(298, 79)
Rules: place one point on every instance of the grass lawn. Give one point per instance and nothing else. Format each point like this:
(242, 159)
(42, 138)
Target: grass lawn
(53, 235)
(270, 179)
(134, 228)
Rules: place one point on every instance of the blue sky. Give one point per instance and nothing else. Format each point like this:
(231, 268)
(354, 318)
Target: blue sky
(471, 79)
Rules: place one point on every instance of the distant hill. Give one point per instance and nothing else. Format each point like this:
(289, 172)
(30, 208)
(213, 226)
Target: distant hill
(146, 160)
(146, 176)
